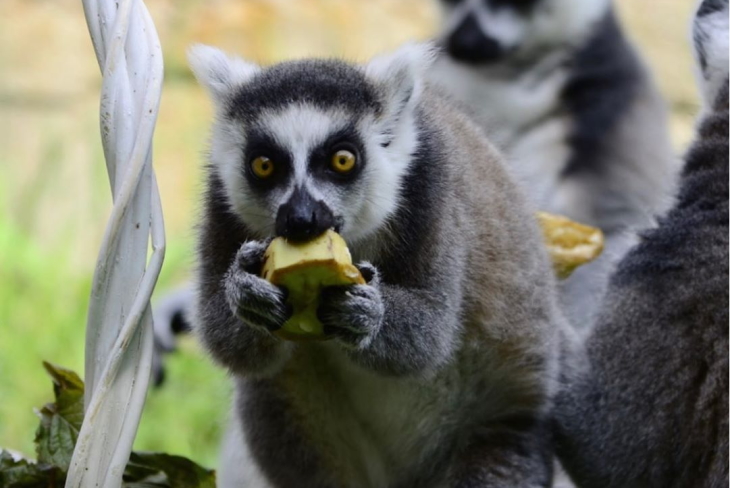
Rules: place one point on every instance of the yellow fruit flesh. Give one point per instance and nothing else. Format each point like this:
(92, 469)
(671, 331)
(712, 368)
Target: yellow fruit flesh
(304, 269)
(569, 243)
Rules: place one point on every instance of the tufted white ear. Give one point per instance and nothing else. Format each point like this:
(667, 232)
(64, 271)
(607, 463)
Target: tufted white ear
(400, 75)
(710, 33)
(218, 72)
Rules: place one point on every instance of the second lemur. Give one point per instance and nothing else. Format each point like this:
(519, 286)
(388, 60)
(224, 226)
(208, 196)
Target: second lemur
(560, 89)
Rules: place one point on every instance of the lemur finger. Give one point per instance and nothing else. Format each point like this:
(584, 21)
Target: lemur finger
(369, 273)
(254, 319)
(357, 308)
(250, 256)
(274, 313)
(245, 290)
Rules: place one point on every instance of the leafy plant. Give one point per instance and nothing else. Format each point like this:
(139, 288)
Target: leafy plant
(55, 438)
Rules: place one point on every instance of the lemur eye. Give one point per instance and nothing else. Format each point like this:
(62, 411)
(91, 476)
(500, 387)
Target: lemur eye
(343, 161)
(262, 167)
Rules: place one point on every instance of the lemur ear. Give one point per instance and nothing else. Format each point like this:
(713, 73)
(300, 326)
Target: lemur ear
(710, 35)
(400, 75)
(218, 72)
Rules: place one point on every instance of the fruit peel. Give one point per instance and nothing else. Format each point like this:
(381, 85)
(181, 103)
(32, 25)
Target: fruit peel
(569, 243)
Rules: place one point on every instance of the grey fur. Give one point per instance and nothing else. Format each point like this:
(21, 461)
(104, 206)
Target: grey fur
(649, 407)
(581, 123)
(442, 367)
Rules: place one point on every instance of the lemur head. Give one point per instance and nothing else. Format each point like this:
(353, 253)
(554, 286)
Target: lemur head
(304, 146)
(483, 32)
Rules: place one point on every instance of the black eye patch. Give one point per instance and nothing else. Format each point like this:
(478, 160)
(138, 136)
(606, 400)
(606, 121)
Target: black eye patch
(320, 159)
(260, 144)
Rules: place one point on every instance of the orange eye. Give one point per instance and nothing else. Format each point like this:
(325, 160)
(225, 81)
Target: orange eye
(343, 161)
(262, 167)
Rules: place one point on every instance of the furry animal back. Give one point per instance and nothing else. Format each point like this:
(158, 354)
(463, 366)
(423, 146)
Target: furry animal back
(650, 409)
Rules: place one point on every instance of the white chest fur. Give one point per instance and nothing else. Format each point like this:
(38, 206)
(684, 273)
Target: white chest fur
(374, 430)
(521, 115)
(370, 428)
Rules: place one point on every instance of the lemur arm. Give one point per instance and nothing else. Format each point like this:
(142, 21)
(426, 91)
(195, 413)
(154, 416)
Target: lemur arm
(417, 332)
(244, 349)
(405, 321)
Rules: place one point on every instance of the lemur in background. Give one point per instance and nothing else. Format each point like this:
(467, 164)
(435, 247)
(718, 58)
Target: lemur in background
(441, 369)
(171, 317)
(559, 88)
(650, 407)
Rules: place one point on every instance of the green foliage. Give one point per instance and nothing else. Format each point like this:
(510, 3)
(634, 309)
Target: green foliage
(24, 474)
(165, 470)
(187, 415)
(61, 420)
(43, 309)
(56, 437)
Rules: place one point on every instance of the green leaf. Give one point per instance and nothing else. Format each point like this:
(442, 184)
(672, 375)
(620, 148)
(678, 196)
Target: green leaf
(56, 437)
(147, 470)
(25, 474)
(60, 421)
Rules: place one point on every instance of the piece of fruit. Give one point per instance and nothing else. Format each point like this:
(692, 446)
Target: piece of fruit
(304, 269)
(569, 243)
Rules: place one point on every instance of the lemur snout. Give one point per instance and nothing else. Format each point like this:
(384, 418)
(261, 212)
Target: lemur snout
(469, 44)
(303, 218)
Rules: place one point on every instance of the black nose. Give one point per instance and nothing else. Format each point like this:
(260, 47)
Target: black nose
(469, 44)
(303, 218)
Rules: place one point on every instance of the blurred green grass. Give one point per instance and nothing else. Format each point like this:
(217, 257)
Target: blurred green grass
(54, 195)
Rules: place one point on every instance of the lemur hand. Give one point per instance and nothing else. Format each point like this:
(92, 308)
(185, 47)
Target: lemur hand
(255, 301)
(354, 313)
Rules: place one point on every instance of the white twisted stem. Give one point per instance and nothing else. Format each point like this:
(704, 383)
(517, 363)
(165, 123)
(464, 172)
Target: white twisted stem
(119, 327)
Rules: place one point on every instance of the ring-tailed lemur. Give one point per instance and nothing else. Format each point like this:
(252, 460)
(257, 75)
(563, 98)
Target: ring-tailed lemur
(440, 370)
(651, 409)
(559, 88)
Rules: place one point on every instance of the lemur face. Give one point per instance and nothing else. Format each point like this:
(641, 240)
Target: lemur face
(302, 168)
(305, 146)
(483, 32)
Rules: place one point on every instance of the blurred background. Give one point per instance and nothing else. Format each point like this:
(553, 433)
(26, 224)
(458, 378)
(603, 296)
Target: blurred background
(54, 194)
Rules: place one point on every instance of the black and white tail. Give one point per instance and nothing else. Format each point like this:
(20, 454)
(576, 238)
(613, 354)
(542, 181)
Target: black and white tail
(171, 316)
